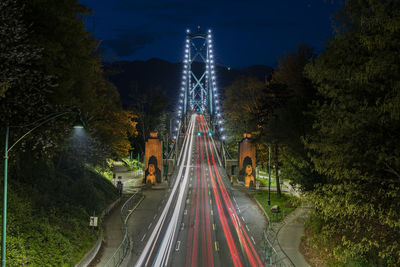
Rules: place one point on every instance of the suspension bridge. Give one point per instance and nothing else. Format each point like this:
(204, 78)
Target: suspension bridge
(201, 223)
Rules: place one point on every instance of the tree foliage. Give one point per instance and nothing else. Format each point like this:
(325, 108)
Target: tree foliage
(49, 64)
(150, 107)
(291, 122)
(244, 110)
(355, 142)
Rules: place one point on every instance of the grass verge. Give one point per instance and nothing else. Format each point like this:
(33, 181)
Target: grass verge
(264, 182)
(287, 203)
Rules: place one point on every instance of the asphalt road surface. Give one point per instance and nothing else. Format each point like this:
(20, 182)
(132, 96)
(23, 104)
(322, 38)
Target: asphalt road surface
(204, 222)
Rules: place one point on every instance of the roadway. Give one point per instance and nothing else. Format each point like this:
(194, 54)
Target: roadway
(204, 221)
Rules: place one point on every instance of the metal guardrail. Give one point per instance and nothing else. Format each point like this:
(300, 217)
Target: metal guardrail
(272, 257)
(119, 255)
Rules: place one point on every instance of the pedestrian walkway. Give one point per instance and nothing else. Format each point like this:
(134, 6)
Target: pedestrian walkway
(112, 235)
(289, 236)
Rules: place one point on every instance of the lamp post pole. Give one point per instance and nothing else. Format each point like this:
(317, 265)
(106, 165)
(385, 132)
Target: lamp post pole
(4, 225)
(77, 124)
(269, 175)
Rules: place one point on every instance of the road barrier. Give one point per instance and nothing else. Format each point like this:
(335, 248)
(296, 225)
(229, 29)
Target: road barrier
(119, 255)
(272, 254)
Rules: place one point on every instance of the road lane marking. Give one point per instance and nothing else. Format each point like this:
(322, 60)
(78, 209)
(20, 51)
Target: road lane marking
(212, 213)
(155, 215)
(178, 245)
(187, 201)
(182, 226)
(247, 228)
(214, 226)
(254, 242)
(143, 238)
(210, 202)
(216, 244)
(148, 227)
(185, 212)
(149, 248)
(243, 219)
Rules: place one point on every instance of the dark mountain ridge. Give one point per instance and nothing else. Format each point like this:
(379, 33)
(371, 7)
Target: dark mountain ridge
(131, 77)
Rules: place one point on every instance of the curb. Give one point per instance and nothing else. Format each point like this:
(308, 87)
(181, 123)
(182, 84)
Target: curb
(263, 210)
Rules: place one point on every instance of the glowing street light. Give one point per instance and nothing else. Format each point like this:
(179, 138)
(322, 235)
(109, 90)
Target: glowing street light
(78, 124)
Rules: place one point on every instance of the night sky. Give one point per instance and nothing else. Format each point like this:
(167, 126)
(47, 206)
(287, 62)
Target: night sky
(244, 32)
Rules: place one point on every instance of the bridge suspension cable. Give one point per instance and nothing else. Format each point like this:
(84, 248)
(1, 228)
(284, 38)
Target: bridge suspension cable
(198, 91)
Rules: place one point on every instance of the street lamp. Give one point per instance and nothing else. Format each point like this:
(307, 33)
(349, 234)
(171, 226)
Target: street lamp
(78, 124)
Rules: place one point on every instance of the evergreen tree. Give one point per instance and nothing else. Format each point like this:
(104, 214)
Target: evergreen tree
(291, 122)
(356, 139)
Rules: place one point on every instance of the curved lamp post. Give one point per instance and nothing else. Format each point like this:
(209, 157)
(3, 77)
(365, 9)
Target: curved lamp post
(77, 124)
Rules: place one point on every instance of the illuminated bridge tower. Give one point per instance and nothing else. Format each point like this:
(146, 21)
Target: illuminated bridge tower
(198, 92)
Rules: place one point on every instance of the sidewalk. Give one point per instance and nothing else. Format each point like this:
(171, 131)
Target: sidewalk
(289, 236)
(288, 232)
(112, 236)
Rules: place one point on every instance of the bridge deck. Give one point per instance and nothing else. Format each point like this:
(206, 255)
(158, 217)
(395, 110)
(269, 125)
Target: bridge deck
(204, 222)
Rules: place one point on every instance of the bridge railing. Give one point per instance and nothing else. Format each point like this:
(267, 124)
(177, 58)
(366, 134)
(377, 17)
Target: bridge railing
(119, 255)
